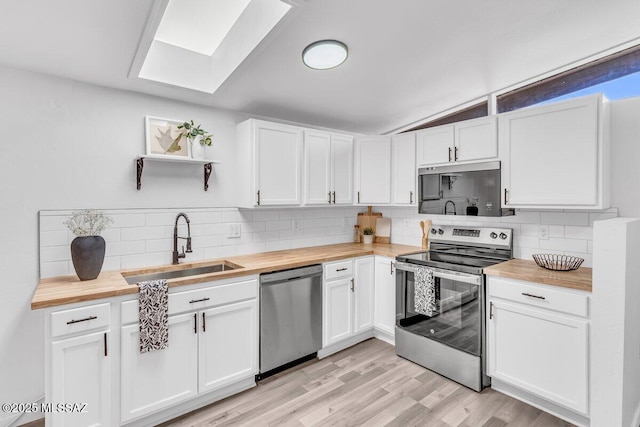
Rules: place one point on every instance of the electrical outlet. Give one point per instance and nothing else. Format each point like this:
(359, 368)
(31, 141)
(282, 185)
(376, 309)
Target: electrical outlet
(406, 223)
(543, 232)
(295, 225)
(234, 231)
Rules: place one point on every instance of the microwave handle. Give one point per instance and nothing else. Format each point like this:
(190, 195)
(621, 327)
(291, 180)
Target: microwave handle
(444, 274)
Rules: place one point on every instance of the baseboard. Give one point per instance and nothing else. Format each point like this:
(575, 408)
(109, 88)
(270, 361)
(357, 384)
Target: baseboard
(540, 403)
(193, 404)
(384, 336)
(349, 342)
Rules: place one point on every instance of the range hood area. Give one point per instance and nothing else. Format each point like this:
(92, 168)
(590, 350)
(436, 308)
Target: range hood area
(468, 189)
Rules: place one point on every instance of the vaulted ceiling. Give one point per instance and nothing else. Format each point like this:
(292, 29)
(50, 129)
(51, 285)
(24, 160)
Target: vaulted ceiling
(408, 59)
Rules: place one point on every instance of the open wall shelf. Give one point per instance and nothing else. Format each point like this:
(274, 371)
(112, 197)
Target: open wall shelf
(206, 163)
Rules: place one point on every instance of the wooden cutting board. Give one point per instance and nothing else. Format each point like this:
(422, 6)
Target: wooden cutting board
(383, 230)
(368, 219)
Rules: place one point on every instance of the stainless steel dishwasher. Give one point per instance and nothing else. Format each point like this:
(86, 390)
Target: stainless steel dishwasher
(290, 318)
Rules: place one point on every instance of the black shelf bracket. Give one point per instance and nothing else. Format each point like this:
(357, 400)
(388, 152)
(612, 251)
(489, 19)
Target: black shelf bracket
(139, 167)
(208, 167)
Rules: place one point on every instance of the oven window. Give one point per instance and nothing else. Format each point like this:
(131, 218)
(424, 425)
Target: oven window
(458, 323)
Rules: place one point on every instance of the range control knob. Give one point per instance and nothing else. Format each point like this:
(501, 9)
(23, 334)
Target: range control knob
(434, 231)
(493, 235)
(440, 231)
(503, 236)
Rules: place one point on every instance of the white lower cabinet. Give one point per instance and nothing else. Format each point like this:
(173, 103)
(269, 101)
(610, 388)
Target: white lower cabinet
(348, 299)
(208, 349)
(538, 341)
(81, 373)
(154, 380)
(232, 328)
(385, 295)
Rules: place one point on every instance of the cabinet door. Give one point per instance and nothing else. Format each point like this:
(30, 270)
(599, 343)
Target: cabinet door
(541, 352)
(337, 311)
(373, 170)
(435, 145)
(81, 373)
(385, 296)
(278, 158)
(404, 169)
(342, 169)
(228, 349)
(317, 153)
(551, 155)
(476, 139)
(364, 294)
(157, 379)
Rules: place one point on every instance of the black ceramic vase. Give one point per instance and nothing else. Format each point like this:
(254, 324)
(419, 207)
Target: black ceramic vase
(87, 254)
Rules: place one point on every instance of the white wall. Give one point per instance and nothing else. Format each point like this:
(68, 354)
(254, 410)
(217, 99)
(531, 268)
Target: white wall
(67, 145)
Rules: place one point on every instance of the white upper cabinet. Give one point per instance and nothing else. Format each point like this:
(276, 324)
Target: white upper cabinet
(471, 140)
(556, 156)
(373, 170)
(328, 168)
(404, 169)
(269, 164)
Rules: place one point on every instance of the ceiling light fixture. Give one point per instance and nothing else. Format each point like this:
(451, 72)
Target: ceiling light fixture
(324, 54)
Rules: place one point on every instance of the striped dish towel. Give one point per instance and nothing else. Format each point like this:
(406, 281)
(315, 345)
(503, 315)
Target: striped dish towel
(425, 300)
(153, 310)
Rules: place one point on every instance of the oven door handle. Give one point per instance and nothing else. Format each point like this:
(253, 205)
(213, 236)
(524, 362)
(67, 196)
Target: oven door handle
(472, 279)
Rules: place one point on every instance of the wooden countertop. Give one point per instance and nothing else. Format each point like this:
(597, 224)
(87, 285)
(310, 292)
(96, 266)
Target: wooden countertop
(68, 289)
(528, 270)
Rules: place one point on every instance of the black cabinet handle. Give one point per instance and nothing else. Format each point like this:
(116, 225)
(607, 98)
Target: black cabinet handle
(195, 323)
(258, 197)
(106, 352)
(193, 301)
(342, 269)
(490, 310)
(329, 194)
(410, 197)
(532, 296)
(353, 286)
(358, 197)
(455, 154)
(449, 153)
(70, 322)
(505, 196)
(334, 197)
(204, 323)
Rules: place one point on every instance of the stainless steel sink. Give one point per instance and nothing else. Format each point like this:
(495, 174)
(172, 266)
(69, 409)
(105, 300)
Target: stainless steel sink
(185, 272)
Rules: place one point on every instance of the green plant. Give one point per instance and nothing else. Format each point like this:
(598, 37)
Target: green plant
(190, 131)
(87, 222)
(368, 231)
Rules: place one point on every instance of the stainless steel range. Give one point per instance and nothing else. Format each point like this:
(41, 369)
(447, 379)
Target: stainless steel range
(450, 338)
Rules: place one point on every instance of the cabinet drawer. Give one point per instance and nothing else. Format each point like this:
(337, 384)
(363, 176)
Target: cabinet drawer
(81, 319)
(337, 270)
(198, 299)
(539, 295)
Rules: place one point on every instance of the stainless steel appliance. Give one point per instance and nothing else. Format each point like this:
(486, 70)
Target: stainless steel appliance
(451, 342)
(290, 318)
(468, 189)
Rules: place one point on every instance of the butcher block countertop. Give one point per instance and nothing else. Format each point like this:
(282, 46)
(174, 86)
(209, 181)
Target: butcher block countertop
(528, 270)
(68, 289)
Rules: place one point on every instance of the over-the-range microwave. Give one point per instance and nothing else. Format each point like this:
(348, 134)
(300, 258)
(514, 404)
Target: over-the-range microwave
(468, 189)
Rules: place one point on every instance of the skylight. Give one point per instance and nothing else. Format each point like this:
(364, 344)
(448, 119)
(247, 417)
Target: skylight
(197, 44)
(199, 25)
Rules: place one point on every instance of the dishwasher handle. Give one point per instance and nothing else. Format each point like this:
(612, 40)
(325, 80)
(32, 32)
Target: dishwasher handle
(291, 274)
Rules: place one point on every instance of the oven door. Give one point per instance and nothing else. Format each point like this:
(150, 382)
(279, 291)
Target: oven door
(459, 322)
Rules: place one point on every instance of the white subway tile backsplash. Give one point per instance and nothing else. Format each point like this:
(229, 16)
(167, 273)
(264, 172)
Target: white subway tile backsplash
(291, 214)
(278, 245)
(529, 229)
(254, 227)
(144, 260)
(126, 248)
(278, 225)
(54, 268)
(573, 232)
(160, 245)
(164, 218)
(556, 231)
(219, 252)
(526, 241)
(565, 245)
(52, 223)
(266, 236)
(523, 217)
(251, 248)
(266, 215)
(588, 258)
(128, 220)
(143, 233)
(55, 253)
(565, 218)
(53, 238)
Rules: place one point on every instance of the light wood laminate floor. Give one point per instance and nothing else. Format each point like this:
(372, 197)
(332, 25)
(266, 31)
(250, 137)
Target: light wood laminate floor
(365, 385)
